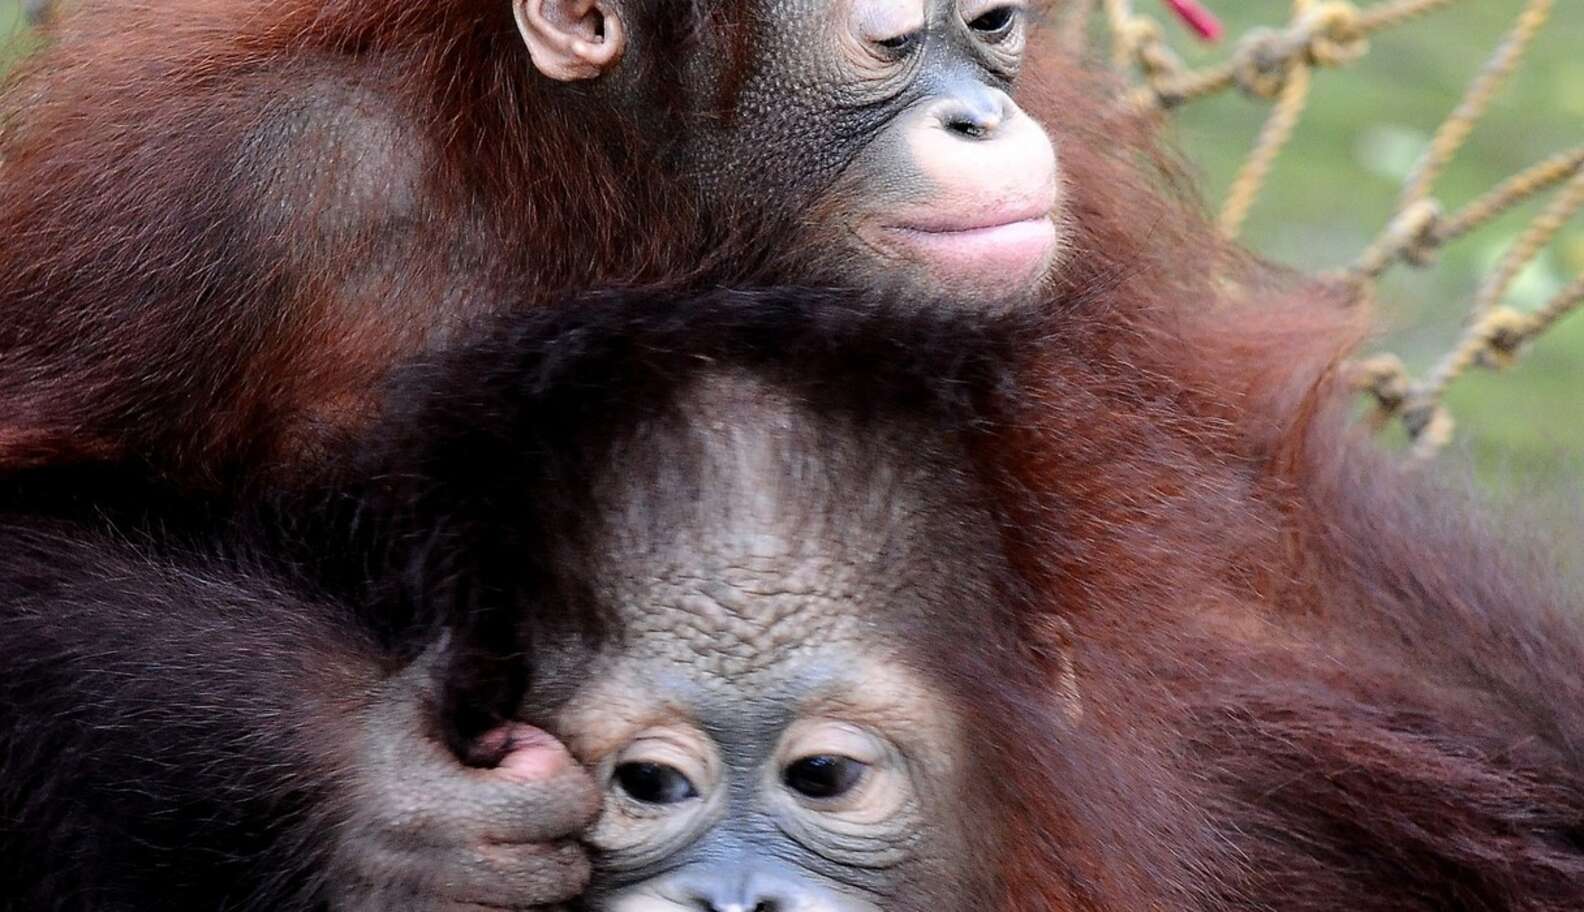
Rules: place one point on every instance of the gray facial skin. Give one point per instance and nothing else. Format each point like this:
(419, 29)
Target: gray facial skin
(889, 127)
(764, 727)
(832, 76)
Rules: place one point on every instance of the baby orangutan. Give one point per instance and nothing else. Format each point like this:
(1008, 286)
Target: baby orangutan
(764, 722)
(831, 628)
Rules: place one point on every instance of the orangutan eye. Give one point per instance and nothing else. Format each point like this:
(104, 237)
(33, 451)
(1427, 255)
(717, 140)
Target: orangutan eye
(655, 783)
(900, 46)
(823, 776)
(997, 23)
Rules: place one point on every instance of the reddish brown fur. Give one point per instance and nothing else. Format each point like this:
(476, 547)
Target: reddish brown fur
(1308, 683)
(1311, 680)
(225, 220)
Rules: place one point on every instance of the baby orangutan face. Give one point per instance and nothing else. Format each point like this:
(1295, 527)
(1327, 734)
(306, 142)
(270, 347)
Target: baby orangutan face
(766, 734)
(814, 782)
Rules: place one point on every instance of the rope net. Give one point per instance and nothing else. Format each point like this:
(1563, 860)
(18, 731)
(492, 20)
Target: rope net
(1276, 65)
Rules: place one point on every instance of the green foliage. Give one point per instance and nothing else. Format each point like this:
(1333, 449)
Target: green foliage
(1336, 185)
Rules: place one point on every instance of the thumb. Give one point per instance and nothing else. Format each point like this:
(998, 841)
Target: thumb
(520, 752)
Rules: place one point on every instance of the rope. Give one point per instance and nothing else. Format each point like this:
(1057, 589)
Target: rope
(1418, 232)
(1325, 34)
(1384, 16)
(1413, 235)
(1124, 49)
(1567, 301)
(1535, 238)
(1515, 190)
(1272, 140)
(1493, 340)
(1497, 332)
(1140, 40)
(1457, 127)
(1278, 64)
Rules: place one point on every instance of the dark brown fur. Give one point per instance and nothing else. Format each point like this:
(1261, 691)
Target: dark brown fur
(1305, 679)
(1309, 681)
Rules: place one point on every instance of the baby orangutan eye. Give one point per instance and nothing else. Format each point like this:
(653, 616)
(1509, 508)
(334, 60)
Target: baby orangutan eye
(655, 783)
(997, 24)
(823, 776)
(899, 45)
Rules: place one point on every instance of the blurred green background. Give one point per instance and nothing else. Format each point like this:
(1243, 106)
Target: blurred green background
(1335, 186)
(13, 30)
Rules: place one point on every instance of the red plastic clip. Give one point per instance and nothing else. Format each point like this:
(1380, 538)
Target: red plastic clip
(1197, 17)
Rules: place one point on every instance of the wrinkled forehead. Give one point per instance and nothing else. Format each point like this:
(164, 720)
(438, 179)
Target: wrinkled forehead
(745, 515)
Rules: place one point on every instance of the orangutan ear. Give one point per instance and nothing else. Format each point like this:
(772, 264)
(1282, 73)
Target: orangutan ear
(571, 39)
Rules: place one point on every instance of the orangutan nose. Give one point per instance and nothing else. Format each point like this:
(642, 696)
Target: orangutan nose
(975, 113)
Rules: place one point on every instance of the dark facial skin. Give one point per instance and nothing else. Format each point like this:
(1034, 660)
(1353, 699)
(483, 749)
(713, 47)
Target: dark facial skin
(884, 129)
(763, 729)
(891, 123)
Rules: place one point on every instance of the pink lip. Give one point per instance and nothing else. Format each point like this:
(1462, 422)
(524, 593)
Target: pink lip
(984, 253)
(945, 225)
